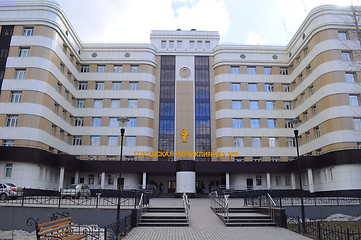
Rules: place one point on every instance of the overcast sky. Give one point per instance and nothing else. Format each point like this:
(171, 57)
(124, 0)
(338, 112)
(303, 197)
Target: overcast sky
(253, 22)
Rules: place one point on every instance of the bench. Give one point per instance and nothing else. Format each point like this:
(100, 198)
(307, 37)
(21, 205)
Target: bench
(57, 229)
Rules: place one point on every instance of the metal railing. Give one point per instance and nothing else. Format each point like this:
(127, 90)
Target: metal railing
(118, 229)
(220, 205)
(271, 206)
(186, 204)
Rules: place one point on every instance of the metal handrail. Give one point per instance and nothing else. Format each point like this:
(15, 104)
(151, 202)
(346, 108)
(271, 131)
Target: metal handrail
(271, 205)
(186, 204)
(220, 204)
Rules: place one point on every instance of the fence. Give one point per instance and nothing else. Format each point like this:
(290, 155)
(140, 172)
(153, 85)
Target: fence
(320, 230)
(220, 205)
(118, 229)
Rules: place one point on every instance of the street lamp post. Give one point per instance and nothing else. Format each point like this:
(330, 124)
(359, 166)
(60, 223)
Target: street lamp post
(296, 122)
(122, 131)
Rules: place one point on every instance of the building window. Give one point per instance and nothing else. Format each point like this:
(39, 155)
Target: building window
(258, 180)
(236, 87)
(83, 85)
(9, 143)
(98, 103)
(111, 158)
(312, 90)
(251, 70)
(66, 93)
(257, 159)
(52, 130)
(275, 159)
(171, 44)
(296, 102)
(84, 68)
(16, 97)
(358, 145)
(237, 123)
(303, 95)
(256, 142)
(236, 104)
(132, 122)
(272, 123)
(268, 87)
(163, 44)
(91, 179)
(278, 180)
(130, 141)
(24, 52)
(357, 123)
(350, 77)
(132, 103)
(97, 122)
(309, 70)
(234, 70)
(287, 105)
(79, 122)
(115, 103)
(199, 44)
(270, 105)
(354, 100)
(305, 114)
(101, 68)
(306, 50)
(292, 68)
(288, 180)
(134, 68)
(12, 120)
(317, 132)
(58, 87)
(116, 86)
(9, 170)
(112, 141)
(20, 74)
(113, 122)
(342, 36)
(99, 86)
(252, 87)
(238, 141)
(133, 85)
(298, 60)
(77, 140)
(284, 71)
(308, 136)
(253, 105)
(314, 109)
(286, 88)
(207, 44)
(94, 140)
(28, 31)
(191, 44)
(289, 123)
(291, 142)
(118, 69)
(80, 103)
(267, 70)
(346, 56)
(273, 142)
(61, 133)
(254, 123)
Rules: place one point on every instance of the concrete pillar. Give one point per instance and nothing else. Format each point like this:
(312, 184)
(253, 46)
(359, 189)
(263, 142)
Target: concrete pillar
(293, 180)
(102, 184)
(310, 180)
(227, 180)
(76, 181)
(268, 180)
(144, 181)
(185, 177)
(61, 178)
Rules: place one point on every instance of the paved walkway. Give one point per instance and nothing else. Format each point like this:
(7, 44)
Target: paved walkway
(204, 224)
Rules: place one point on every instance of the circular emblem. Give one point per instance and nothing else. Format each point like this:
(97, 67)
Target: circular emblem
(127, 55)
(184, 72)
(94, 55)
(242, 56)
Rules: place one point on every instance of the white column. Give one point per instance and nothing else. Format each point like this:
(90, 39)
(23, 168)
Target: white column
(102, 184)
(76, 181)
(293, 180)
(268, 180)
(185, 182)
(144, 182)
(310, 180)
(61, 178)
(227, 180)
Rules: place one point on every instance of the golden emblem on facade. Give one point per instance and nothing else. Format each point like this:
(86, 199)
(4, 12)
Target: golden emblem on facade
(184, 134)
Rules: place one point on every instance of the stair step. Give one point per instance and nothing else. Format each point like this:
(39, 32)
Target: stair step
(164, 217)
(163, 220)
(251, 224)
(163, 224)
(165, 210)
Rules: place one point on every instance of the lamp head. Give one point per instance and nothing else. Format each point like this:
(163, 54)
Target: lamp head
(123, 120)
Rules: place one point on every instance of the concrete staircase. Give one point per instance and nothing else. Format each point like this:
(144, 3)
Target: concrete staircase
(164, 217)
(247, 217)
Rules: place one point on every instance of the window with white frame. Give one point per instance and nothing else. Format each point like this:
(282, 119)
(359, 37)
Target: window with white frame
(191, 44)
(9, 143)
(314, 110)
(308, 136)
(312, 90)
(113, 141)
(253, 105)
(284, 71)
(278, 180)
(52, 130)
(251, 70)
(234, 70)
(273, 142)
(66, 93)
(252, 87)
(350, 77)
(275, 159)
(296, 102)
(287, 105)
(236, 104)
(16, 97)
(257, 159)
(24, 52)
(132, 122)
(358, 145)
(292, 68)
(97, 122)
(179, 44)
(272, 123)
(309, 70)
(288, 180)
(270, 105)
(254, 122)
(346, 56)
(79, 122)
(132, 103)
(98, 103)
(58, 87)
(133, 85)
(256, 142)
(130, 141)
(342, 35)
(258, 180)
(286, 88)
(305, 114)
(317, 132)
(28, 31)
(238, 142)
(237, 123)
(61, 133)
(171, 44)
(116, 86)
(84, 68)
(101, 68)
(83, 86)
(268, 87)
(55, 108)
(207, 44)
(298, 60)
(9, 170)
(115, 103)
(289, 123)
(12, 120)
(80, 103)
(267, 70)
(303, 95)
(354, 100)
(99, 86)
(20, 74)
(113, 122)
(163, 44)
(134, 68)
(94, 140)
(291, 142)
(306, 50)
(118, 68)
(301, 79)
(236, 87)
(199, 44)
(357, 123)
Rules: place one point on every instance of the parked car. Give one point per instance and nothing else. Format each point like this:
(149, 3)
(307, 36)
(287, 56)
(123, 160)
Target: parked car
(76, 191)
(9, 190)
